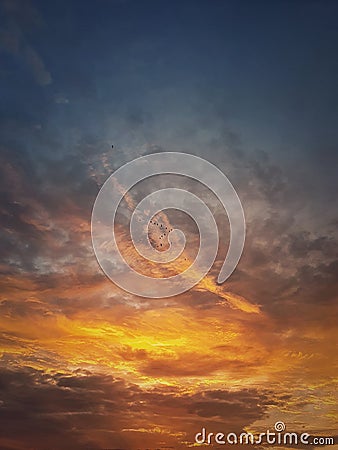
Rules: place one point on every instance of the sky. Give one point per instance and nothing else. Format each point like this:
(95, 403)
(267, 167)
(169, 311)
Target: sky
(249, 86)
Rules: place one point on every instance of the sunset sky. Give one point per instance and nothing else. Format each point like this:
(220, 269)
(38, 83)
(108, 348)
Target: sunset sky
(250, 86)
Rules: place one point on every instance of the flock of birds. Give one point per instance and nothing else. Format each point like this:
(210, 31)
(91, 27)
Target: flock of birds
(163, 228)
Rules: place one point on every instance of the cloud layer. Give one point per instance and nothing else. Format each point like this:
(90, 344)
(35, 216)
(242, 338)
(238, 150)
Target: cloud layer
(87, 365)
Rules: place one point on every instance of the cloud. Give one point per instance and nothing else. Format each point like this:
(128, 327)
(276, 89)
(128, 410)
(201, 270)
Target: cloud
(37, 66)
(61, 99)
(22, 16)
(83, 409)
(151, 360)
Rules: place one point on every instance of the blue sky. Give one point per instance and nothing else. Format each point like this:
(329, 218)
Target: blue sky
(267, 70)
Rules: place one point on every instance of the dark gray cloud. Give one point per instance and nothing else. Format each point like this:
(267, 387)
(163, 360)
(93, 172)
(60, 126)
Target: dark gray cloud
(86, 410)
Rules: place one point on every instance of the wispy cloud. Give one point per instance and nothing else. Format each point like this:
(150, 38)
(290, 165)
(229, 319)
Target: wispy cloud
(20, 15)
